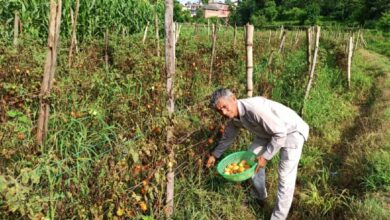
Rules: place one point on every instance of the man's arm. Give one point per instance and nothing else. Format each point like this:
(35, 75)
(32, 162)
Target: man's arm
(227, 139)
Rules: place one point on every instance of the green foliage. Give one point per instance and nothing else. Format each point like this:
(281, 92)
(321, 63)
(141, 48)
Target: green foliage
(312, 14)
(377, 170)
(180, 15)
(384, 22)
(94, 16)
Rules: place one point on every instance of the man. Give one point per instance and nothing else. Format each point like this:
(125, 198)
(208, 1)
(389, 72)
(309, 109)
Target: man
(276, 128)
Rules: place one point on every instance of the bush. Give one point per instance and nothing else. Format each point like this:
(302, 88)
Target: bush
(384, 22)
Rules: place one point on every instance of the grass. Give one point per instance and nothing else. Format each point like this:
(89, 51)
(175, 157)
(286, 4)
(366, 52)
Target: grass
(106, 147)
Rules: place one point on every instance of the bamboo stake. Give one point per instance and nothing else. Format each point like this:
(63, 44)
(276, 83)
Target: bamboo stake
(214, 41)
(145, 33)
(296, 38)
(170, 73)
(270, 35)
(281, 32)
(350, 51)
(362, 40)
(157, 35)
(282, 42)
(249, 58)
(178, 28)
(357, 41)
(270, 58)
(235, 37)
(73, 41)
(106, 42)
(309, 49)
(49, 69)
(16, 28)
(208, 27)
(317, 42)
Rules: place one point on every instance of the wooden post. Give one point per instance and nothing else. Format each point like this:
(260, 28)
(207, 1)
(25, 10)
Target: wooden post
(73, 41)
(49, 69)
(177, 31)
(281, 32)
(157, 34)
(296, 38)
(145, 33)
(270, 58)
(270, 35)
(214, 41)
(362, 40)
(235, 37)
(170, 73)
(357, 41)
(309, 49)
(208, 27)
(106, 43)
(282, 42)
(350, 51)
(249, 58)
(16, 28)
(312, 69)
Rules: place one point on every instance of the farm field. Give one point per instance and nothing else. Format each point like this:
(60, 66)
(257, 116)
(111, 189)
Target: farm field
(106, 156)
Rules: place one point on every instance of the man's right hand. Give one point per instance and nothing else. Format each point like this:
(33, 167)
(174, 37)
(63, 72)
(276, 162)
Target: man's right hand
(210, 161)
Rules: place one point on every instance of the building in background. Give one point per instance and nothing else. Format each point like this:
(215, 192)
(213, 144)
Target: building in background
(192, 7)
(216, 9)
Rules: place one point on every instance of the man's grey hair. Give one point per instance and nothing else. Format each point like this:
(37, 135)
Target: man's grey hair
(217, 94)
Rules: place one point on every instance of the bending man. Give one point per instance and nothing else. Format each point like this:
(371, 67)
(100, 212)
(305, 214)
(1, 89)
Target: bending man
(276, 128)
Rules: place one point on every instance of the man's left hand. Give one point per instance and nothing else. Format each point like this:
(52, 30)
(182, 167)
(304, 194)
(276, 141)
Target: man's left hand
(261, 162)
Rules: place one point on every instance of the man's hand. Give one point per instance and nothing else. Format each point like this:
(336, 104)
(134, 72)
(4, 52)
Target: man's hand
(210, 161)
(261, 162)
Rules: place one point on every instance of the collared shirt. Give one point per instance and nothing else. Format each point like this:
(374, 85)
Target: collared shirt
(267, 120)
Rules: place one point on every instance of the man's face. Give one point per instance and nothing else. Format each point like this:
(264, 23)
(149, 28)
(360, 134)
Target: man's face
(227, 107)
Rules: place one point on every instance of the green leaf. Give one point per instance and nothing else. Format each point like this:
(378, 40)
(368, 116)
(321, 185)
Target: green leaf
(3, 184)
(35, 177)
(134, 154)
(13, 113)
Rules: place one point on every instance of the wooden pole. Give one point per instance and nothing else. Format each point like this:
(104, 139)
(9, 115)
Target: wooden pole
(317, 42)
(235, 37)
(16, 28)
(214, 41)
(73, 41)
(208, 27)
(170, 73)
(270, 35)
(157, 34)
(49, 69)
(281, 32)
(249, 58)
(309, 48)
(106, 43)
(145, 33)
(282, 42)
(350, 51)
(296, 38)
(357, 41)
(177, 34)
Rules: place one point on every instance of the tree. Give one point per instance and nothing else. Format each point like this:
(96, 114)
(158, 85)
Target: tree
(180, 15)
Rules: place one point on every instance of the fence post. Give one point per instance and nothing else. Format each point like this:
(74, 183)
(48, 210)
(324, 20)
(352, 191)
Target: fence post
(49, 69)
(214, 42)
(312, 69)
(249, 58)
(16, 28)
(350, 51)
(170, 73)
